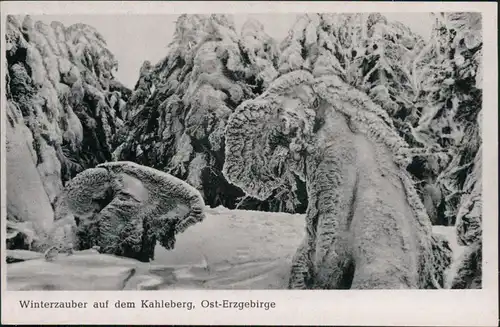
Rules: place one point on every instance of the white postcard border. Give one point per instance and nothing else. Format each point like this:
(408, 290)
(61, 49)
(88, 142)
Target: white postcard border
(373, 307)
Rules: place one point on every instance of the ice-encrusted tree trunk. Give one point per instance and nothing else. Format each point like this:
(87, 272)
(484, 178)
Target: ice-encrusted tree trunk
(63, 107)
(179, 109)
(405, 75)
(374, 55)
(366, 226)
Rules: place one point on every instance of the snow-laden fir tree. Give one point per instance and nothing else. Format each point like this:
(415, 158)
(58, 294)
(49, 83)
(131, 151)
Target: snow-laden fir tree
(178, 111)
(63, 107)
(451, 102)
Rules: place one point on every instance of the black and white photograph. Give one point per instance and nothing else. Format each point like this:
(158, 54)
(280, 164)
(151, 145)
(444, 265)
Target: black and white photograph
(243, 151)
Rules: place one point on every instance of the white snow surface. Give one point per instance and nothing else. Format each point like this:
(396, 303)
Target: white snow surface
(236, 235)
(230, 249)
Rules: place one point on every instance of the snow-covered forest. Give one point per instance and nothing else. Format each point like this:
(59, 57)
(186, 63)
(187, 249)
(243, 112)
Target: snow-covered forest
(351, 125)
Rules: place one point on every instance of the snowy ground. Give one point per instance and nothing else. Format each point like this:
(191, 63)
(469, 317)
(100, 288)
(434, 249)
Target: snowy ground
(241, 249)
(228, 234)
(248, 249)
(236, 235)
(230, 249)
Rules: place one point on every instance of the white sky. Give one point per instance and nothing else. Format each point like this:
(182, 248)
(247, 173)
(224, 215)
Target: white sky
(136, 38)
